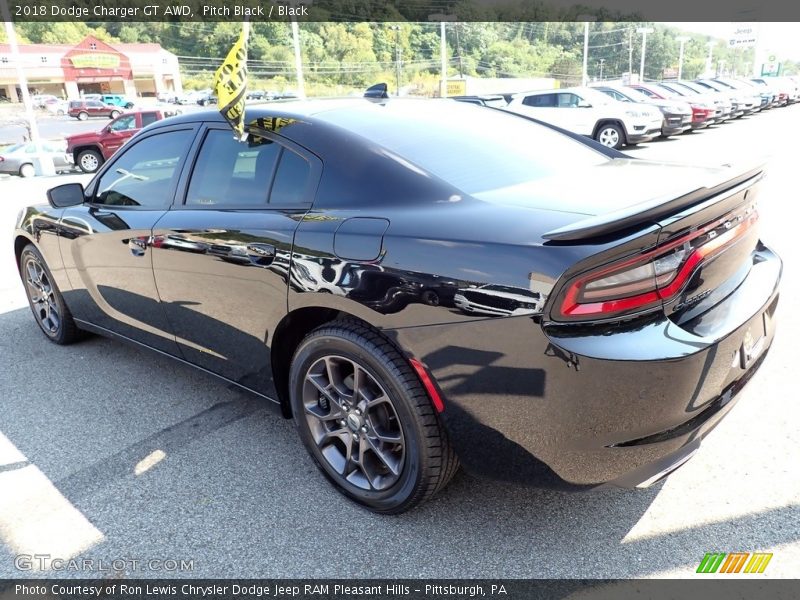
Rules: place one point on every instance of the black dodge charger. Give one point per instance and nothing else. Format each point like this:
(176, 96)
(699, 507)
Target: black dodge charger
(423, 284)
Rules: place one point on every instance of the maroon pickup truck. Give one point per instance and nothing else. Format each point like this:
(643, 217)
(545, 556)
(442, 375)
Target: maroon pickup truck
(91, 150)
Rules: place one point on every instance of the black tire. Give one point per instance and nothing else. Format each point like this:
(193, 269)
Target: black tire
(426, 461)
(46, 302)
(89, 161)
(114, 114)
(610, 135)
(82, 116)
(27, 170)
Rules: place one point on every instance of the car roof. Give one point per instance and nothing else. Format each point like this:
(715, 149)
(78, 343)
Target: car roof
(326, 113)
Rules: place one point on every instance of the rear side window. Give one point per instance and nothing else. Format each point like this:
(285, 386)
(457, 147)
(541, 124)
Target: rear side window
(229, 172)
(473, 148)
(145, 173)
(291, 180)
(148, 118)
(541, 100)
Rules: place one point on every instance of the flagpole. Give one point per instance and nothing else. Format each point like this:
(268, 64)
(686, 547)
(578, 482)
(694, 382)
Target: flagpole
(230, 83)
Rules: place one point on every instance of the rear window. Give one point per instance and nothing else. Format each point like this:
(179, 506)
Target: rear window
(475, 149)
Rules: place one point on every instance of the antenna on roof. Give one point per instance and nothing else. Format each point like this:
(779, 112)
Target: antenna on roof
(379, 90)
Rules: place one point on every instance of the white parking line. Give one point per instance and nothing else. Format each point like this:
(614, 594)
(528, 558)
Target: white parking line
(35, 518)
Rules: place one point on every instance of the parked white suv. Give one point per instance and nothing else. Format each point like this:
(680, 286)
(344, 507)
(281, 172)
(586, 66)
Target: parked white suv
(591, 113)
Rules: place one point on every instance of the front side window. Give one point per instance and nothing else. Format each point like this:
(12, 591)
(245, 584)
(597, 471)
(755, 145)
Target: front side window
(568, 101)
(145, 172)
(124, 123)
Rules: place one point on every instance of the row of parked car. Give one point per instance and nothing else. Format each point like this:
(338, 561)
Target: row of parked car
(617, 115)
(90, 105)
(208, 98)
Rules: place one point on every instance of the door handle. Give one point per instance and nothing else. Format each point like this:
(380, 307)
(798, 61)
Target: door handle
(261, 254)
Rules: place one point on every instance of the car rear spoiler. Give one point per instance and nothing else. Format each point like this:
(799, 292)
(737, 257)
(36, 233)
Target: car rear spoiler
(651, 210)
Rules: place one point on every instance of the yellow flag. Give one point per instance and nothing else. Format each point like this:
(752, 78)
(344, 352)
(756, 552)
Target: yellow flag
(230, 83)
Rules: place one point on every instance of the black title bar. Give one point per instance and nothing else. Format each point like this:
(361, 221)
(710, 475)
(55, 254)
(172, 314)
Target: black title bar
(706, 587)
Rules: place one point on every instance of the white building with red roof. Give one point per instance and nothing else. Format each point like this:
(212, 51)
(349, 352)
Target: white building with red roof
(92, 66)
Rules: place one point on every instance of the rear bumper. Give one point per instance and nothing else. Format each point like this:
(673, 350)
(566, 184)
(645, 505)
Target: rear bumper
(575, 408)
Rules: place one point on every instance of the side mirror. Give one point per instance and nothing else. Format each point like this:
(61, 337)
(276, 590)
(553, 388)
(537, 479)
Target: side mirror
(584, 104)
(69, 194)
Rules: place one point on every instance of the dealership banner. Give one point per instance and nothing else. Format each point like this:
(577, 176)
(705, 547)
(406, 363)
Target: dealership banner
(393, 10)
(113, 588)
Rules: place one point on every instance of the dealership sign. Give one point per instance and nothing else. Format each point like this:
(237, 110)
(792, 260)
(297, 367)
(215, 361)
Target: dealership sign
(744, 36)
(95, 60)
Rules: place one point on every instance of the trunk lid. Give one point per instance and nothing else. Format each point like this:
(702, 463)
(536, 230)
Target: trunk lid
(706, 239)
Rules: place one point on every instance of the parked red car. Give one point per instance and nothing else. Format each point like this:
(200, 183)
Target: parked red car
(91, 150)
(702, 114)
(83, 109)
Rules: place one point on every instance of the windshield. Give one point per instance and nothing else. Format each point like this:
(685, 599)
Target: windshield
(671, 92)
(693, 87)
(594, 96)
(634, 95)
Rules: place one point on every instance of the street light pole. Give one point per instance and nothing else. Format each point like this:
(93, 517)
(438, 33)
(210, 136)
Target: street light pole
(644, 31)
(601, 61)
(682, 39)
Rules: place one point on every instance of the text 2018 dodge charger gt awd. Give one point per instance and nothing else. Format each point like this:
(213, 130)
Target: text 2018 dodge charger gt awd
(421, 284)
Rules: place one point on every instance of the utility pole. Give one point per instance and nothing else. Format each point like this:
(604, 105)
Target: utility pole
(298, 61)
(396, 29)
(443, 90)
(441, 18)
(682, 39)
(601, 62)
(709, 63)
(644, 31)
(630, 52)
(585, 53)
(42, 162)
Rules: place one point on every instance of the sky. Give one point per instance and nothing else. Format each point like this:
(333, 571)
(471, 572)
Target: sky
(781, 39)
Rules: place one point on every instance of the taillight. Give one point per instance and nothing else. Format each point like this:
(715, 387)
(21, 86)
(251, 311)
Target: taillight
(644, 282)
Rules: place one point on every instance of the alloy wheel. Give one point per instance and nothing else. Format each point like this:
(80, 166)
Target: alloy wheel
(89, 162)
(354, 423)
(609, 137)
(42, 296)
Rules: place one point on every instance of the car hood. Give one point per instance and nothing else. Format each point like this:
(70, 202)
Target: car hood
(608, 187)
(675, 106)
(77, 138)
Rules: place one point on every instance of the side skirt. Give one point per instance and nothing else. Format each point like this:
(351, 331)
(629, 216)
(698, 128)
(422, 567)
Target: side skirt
(113, 335)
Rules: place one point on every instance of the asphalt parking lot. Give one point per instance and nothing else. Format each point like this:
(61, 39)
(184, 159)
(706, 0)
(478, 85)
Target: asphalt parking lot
(111, 452)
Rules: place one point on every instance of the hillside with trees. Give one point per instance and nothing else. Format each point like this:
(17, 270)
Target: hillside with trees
(339, 56)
